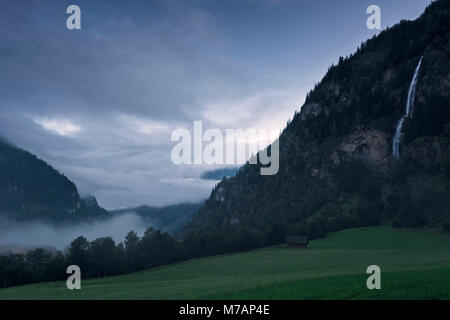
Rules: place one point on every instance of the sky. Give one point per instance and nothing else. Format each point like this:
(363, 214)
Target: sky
(100, 104)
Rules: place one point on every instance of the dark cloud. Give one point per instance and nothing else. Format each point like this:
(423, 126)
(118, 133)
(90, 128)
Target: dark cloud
(99, 104)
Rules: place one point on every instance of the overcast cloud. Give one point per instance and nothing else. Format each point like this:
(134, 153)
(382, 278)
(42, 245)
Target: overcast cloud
(100, 104)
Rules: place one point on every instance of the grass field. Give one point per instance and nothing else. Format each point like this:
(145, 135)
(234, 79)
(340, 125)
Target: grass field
(415, 264)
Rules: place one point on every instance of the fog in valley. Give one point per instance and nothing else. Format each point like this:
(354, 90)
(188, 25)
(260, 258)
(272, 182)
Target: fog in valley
(36, 234)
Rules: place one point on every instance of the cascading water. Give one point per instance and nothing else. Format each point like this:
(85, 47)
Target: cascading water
(409, 111)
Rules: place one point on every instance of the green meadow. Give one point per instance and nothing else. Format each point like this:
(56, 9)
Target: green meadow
(415, 264)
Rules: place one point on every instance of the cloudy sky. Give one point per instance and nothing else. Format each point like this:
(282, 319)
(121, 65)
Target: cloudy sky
(100, 103)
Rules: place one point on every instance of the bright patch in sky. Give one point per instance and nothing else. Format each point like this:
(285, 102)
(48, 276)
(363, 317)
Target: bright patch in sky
(144, 125)
(63, 127)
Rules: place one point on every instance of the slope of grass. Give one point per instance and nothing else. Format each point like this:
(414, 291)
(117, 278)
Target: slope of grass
(414, 264)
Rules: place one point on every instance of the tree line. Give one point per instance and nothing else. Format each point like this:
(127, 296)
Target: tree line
(104, 257)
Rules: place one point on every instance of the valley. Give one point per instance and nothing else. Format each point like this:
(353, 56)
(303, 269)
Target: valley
(415, 264)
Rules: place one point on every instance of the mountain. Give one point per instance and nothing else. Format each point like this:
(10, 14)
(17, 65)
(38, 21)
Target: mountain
(167, 219)
(337, 168)
(31, 189)
(218, 174)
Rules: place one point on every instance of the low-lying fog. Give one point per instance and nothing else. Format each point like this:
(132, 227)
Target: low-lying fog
(35, 234)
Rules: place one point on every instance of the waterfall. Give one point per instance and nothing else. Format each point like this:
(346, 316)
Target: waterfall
(408, 113)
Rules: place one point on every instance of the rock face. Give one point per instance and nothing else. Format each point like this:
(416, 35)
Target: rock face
(31, 189)
(336, 164)
(371, 146)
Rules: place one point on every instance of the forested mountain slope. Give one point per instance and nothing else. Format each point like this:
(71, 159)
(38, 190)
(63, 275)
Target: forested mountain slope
(337, 168)
(30, 189)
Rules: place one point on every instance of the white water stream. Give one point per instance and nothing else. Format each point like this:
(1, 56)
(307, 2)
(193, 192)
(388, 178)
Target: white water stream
(408, 113)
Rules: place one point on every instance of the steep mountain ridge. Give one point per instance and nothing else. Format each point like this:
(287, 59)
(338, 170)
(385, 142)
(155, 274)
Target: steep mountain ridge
(31, 189)
(337, 169)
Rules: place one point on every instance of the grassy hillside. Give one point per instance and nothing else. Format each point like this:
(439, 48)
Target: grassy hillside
(414, 264)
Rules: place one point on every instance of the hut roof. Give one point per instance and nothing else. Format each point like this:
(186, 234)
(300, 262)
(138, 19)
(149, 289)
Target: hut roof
(297, 239)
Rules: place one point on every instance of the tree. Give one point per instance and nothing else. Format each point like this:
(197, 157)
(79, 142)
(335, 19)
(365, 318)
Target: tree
(101, 252)
(37, 260)
(79, 254)
(132, 254)
(191, 244)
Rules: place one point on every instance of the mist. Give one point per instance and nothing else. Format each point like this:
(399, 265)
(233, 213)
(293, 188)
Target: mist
(35, 234)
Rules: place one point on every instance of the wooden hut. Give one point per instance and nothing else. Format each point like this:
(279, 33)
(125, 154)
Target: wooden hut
(297, 241)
